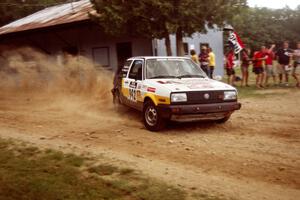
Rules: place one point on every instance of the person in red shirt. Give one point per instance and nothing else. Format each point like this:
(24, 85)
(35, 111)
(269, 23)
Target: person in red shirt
(269, 65)
(229, 67)
(258, 58)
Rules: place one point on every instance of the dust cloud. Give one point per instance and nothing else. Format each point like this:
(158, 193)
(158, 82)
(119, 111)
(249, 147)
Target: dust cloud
(26, 72)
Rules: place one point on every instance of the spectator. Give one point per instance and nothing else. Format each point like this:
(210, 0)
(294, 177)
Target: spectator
(212, 62)
(296, 69)
(269, 65)
(194, 56)
(258, 69)
(245, 66)
(229, 68)
(204, 59)
(283, 57)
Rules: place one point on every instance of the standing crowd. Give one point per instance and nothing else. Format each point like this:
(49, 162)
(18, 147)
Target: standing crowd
(206, 60)
(264, 67)
(262, 61)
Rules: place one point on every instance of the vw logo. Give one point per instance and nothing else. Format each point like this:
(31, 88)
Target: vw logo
(206, 96)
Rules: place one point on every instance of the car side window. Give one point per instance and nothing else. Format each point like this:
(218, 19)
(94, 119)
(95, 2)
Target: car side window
(136, 70)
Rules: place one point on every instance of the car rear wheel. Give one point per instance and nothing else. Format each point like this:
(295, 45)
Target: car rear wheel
(116, 96)
(152, 117)
(117, 100)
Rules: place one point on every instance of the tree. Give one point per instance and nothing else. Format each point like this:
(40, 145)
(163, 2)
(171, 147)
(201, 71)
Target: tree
(139, 18)
(160, 18)
(192, 16)
(263, 26)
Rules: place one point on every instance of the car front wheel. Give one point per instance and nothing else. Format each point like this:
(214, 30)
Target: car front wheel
(152, 117)
(223, 120)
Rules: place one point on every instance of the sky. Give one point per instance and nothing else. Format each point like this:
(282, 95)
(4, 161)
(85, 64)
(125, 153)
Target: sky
(274, 3)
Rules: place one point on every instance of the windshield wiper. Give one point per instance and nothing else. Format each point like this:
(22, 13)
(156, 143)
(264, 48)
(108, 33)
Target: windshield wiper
(163, 76)
(191, 76)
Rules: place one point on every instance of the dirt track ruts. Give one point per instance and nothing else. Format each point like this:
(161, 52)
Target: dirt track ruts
(256, 155)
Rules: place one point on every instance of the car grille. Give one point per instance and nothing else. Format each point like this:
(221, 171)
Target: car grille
(198, 97)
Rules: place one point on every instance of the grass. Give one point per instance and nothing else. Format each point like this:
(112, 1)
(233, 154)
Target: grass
(103, 170)
(28, 173)
(252, 91)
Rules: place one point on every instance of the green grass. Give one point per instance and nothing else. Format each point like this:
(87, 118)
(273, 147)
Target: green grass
(103, 169)
(28, 173)
(252, 91)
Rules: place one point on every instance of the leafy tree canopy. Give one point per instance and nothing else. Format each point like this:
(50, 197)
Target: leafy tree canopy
(263, 26)
(159, 18)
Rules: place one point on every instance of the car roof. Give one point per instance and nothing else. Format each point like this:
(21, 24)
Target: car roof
(157, 57)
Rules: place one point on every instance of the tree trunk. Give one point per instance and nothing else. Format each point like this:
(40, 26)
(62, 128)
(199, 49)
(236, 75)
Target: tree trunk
(179, 42)
(168, 44)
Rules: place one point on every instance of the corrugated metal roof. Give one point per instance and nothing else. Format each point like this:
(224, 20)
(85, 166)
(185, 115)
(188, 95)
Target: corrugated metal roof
(55, 15)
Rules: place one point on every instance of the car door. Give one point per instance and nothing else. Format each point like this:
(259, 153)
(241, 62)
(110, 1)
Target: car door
(133, 83)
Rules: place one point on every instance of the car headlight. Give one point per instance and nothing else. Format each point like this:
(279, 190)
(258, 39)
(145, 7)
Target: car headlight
(230, 95)
(178, 97)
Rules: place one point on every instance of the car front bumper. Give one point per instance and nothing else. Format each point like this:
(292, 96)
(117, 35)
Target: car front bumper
(194, 112)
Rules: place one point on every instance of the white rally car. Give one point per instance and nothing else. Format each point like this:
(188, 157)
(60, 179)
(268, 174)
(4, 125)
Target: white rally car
(172, 88)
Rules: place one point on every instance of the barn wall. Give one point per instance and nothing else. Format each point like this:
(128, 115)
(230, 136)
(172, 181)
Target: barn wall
(92, 43)
(88, 38)
(213, 38)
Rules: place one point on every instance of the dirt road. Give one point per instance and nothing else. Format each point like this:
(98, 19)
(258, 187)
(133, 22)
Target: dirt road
(256, 155)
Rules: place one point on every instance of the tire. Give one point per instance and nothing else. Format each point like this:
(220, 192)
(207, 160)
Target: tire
(152, 117)
(117, 101)
(223, 120)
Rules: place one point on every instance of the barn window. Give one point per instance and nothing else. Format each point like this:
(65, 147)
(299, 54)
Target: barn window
(101, 57)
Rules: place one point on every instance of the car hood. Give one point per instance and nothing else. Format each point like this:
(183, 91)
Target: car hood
(190, 84)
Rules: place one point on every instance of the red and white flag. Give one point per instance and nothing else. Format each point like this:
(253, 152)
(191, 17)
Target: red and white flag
(236, 42)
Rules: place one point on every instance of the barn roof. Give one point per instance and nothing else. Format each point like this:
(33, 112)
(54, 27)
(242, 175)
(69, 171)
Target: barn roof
(51, 16)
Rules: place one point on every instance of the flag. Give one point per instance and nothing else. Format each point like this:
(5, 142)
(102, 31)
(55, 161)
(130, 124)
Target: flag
(237, 43)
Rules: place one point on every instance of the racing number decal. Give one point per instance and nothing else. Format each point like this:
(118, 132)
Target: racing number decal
(132, 94)
(132, 91)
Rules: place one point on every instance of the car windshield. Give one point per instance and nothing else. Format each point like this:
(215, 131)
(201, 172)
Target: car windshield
(173, 68)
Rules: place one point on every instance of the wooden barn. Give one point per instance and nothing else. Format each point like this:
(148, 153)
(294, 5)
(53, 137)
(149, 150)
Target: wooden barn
(68, 27)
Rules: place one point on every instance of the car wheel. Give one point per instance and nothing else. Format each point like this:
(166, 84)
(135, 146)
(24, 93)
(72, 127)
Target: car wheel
(152, 118)
(116, 96)
(223, 120)
(117, 101)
